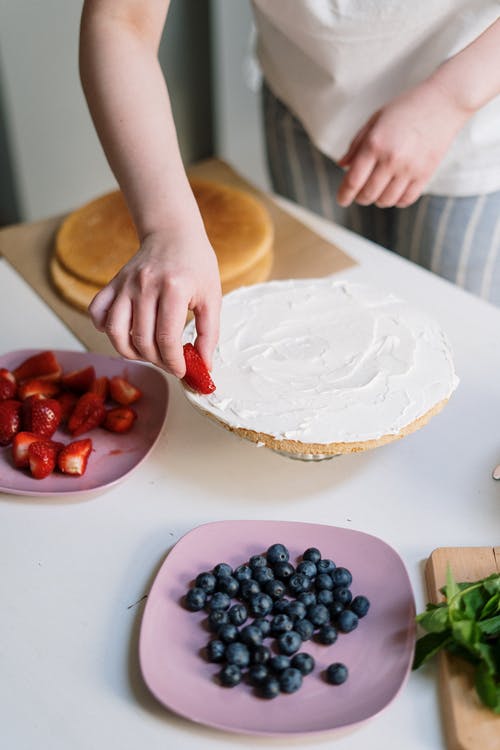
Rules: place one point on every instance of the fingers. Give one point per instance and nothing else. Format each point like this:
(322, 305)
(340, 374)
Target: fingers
(375, 185)
(392, 193)
(100, 305)
(118, 326)
(207, 329)
(356, 142)
(170, 321)
(411, 194)
(142, 332)
(358, 174)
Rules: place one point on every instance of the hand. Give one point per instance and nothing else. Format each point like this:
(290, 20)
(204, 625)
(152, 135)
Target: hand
(143, 309)
(395, 154)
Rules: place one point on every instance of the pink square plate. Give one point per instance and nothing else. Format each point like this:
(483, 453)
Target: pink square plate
(378, 653)
(114, 455)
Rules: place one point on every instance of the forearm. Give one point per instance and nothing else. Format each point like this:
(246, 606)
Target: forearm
(130, 107)
(472, 76)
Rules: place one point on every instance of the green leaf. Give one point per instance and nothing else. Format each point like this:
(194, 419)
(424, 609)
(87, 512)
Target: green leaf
(465, 632)
(487, 688)
(429, 645)
(490, 626)
(485, 653)
(451, 588)
(434, 620)
(491, 607)
(492, 583)
(473, 602)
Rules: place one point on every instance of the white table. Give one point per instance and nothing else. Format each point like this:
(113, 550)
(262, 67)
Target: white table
(71, 569)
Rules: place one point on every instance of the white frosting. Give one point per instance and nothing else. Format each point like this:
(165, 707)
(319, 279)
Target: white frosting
(325, 361)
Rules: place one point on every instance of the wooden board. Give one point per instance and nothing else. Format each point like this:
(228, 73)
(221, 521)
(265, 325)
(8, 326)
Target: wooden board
(299, 252)
(468, 724)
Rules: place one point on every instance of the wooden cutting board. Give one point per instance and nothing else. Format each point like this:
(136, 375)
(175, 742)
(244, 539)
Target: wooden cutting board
(468, 724)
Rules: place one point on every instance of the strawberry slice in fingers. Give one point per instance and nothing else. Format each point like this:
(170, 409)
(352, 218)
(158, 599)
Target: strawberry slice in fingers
(74, 457)
(42, 457)
(197, 375)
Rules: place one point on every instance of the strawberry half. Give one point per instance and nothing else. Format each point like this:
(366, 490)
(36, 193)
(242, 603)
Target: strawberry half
(37, 386)
(123, 392)
(10, 420)
(79, 380)
(89, 412)
(67, 401)
(45, 417)
(197, 375)
(42, 457)
(42, 365)
(74, 457)
(20, 445)
(119, 419)
(101, 387)
(8, 384)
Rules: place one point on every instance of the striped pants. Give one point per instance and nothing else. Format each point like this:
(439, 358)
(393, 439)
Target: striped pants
(456, 237)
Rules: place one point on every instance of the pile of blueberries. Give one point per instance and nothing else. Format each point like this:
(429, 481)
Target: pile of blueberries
(287, 603)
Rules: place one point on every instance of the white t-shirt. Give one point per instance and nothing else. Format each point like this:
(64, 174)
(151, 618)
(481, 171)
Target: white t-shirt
(335, 62)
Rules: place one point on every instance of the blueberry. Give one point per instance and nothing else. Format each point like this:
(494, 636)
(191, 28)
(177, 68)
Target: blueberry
(290, 680)
(280, 606)
(325, 597)
(219, 601)
(228, 585)
(347, 621)
(216, 651)
(281, 624)
(323, 581)
(335, 609)
(230, 675)
(222, 569)
(260, 655)
(298, 583)
(308, 568)
(260, 605)
(341, 577)
(360, 605)
(263, 575)
(318, 614)
(228, 633)
(327, 634)
(238, 614)
(307, 598)
(257, 674)
(243, 573)
(296, 610)
(217, 618)
(304, 628)
(206, 581)
(270, 688)
(277, 553)
(251, 635)
(257, 561)
(237, 653)
(303, 662)
(313, 554)
(195, 599)
(336, 673)
(279, 663)
(276, 589)
(289, 642)
(249, 588)
(325, 565)
(342, 594)
(263, 625)
(283, 571)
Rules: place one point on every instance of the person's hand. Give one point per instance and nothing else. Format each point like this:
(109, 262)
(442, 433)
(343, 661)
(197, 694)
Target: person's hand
(395, 154)
(143, 309)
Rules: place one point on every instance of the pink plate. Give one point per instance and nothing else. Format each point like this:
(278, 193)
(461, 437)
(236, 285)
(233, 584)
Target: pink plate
(114, 455)
(378, 653)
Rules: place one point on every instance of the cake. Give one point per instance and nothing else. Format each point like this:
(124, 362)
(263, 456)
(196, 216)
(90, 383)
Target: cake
(94, 242)
(319, 367)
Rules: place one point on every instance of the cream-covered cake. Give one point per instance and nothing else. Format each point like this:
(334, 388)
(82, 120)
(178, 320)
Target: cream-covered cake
(317, 367)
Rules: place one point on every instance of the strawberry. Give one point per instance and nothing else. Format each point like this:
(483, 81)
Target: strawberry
(20, 445)
(119, 419)
(79, 380)
(42, 457)
(31, 387)
(101, 387)
(67, 402)
(123, 392)
(88, 413)
(45, 417)
(42, 365)
(8, 384)
(74, 457)
(10, 420)
(197, 376)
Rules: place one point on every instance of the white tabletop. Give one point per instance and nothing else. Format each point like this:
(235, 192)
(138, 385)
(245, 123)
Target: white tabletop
(73, 569)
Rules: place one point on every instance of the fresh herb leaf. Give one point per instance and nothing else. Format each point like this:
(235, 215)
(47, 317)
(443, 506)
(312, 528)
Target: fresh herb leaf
(429, 645)
(434, 620)
(487, 689)
(490, 626)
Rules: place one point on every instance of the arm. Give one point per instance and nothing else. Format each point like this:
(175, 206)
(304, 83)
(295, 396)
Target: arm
(394, 155)
(143, 309)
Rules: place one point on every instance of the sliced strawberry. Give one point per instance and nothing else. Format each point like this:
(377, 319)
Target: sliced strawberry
(37, 386)
(42, 365)
(45, 416)
(8, 385)
(123, 392)
(79, 380)
(42, 457)
(197, 375)
(89, 412)
(101, 387)
(74, 457)
(20, 445)
(10, 420)
(119, 419)
(67, 401)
